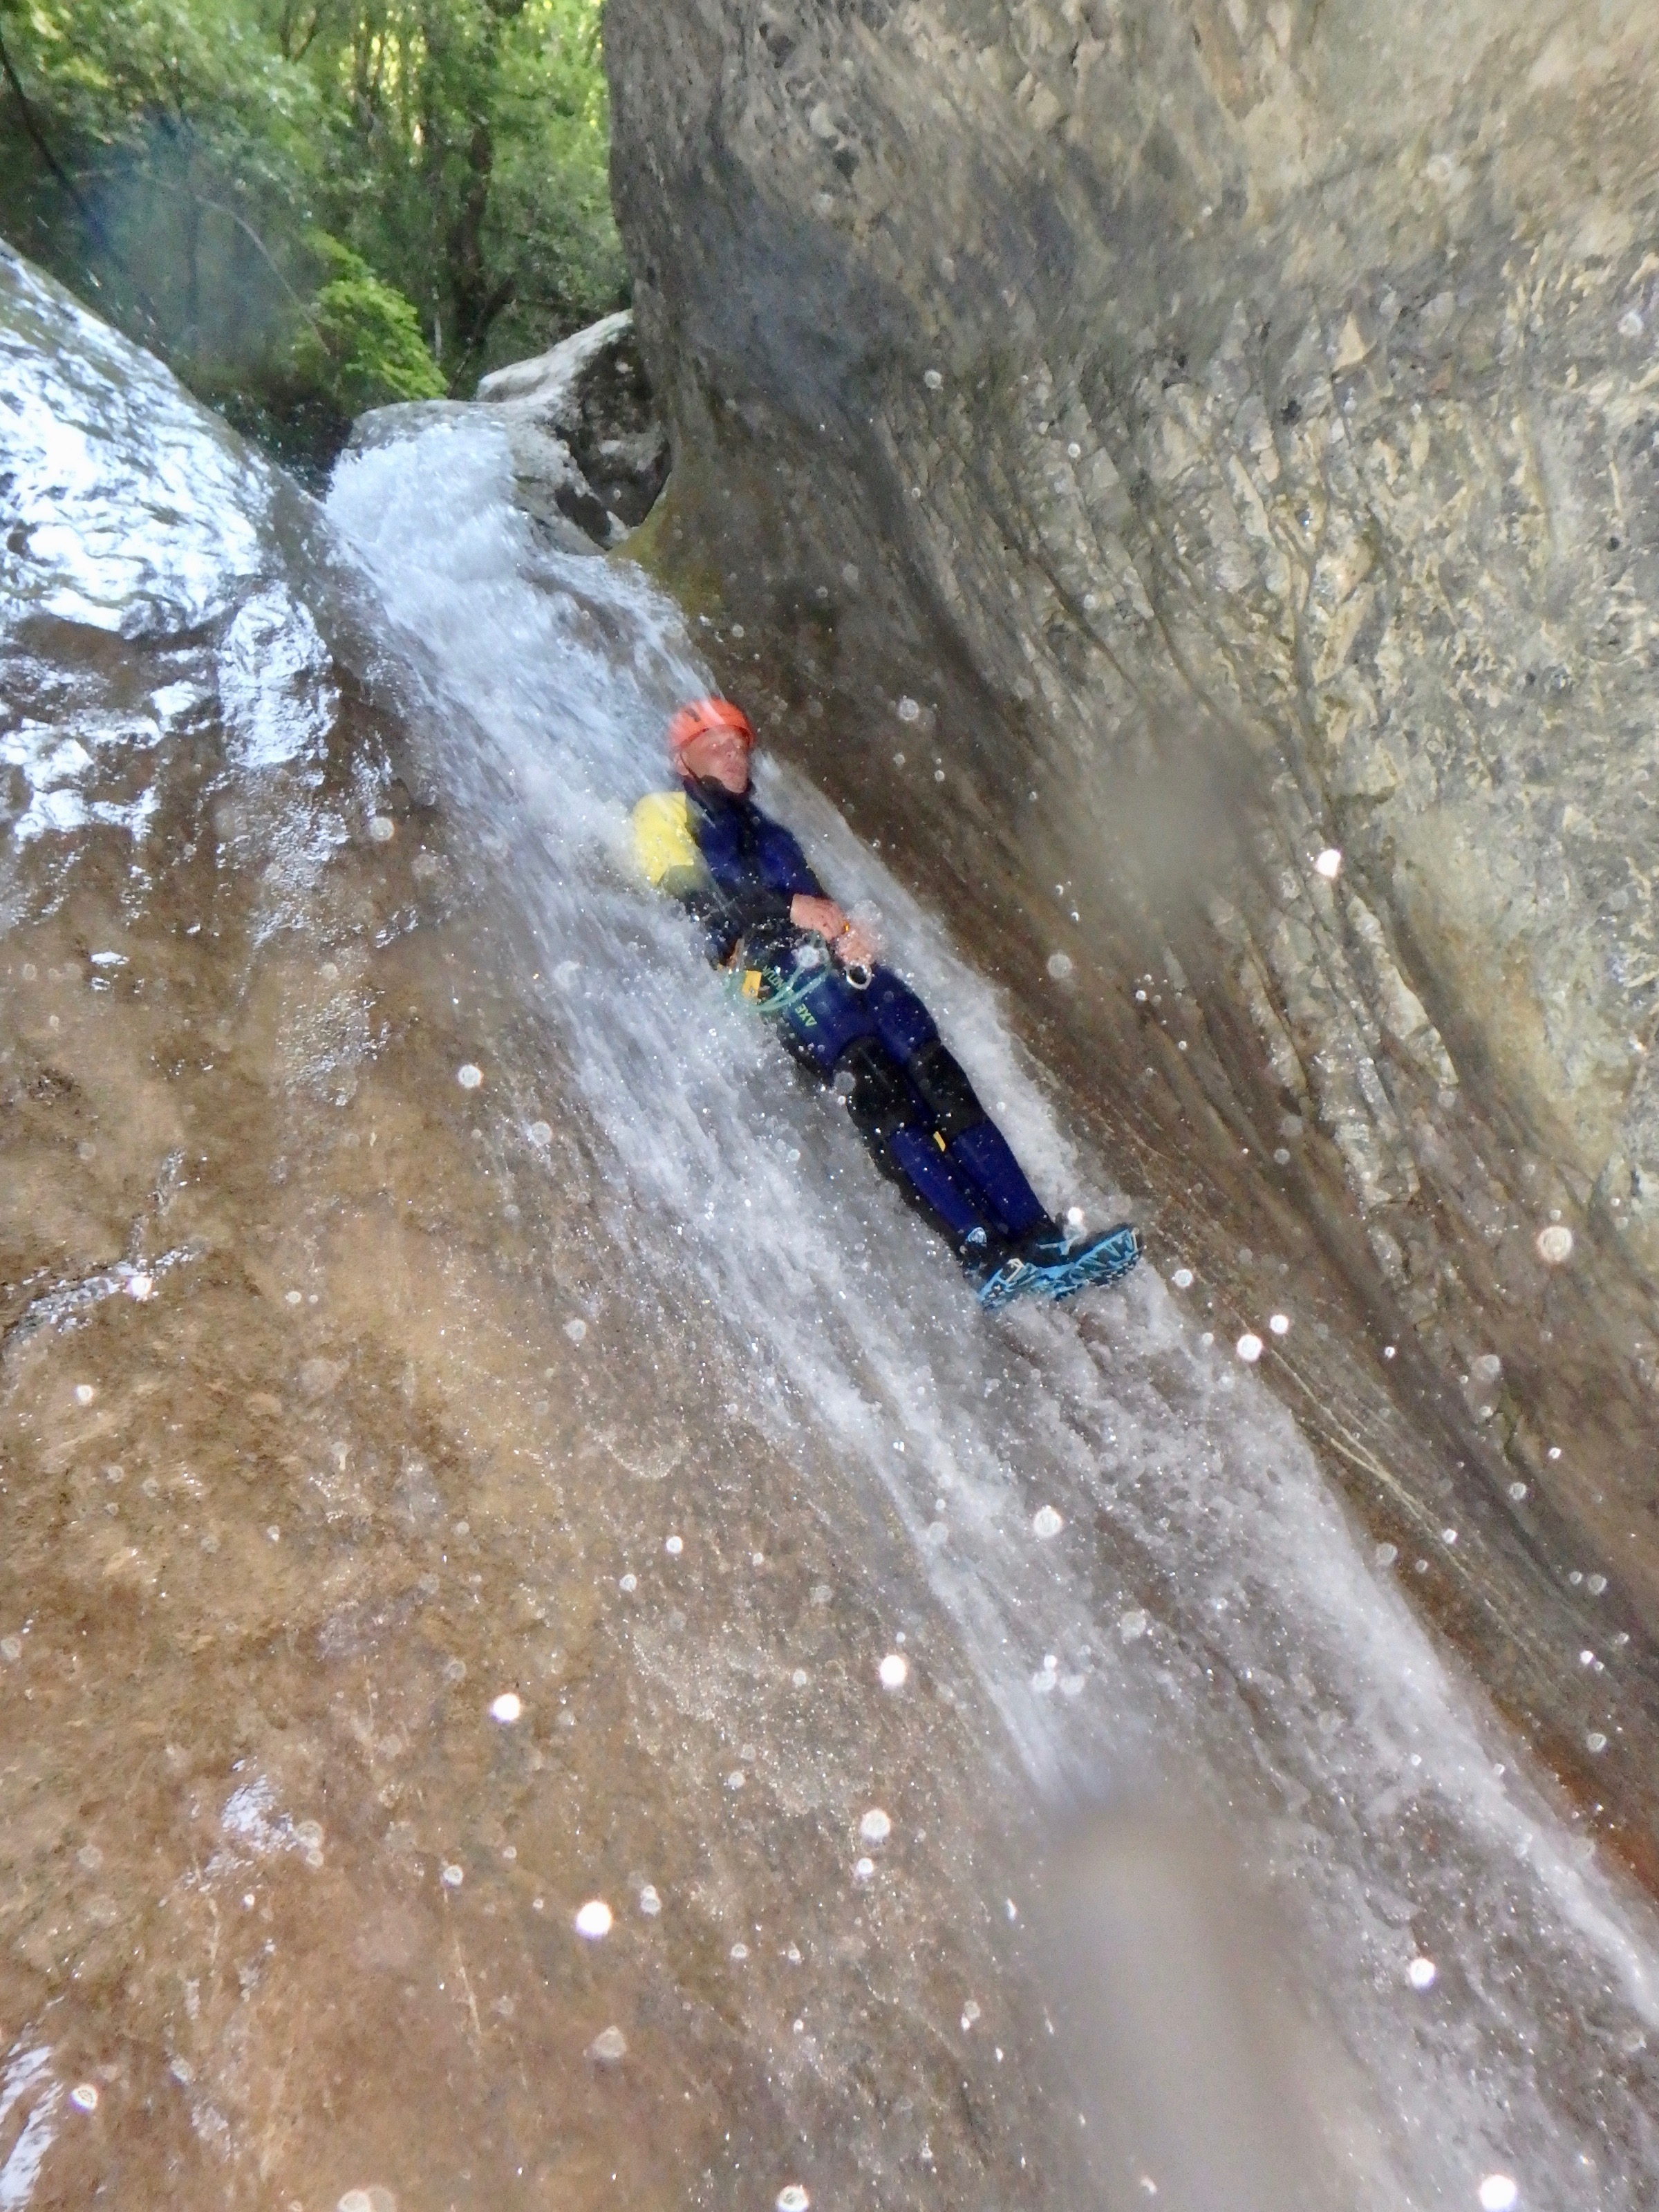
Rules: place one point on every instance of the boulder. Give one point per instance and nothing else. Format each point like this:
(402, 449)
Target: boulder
(590, 393)
(590, 456)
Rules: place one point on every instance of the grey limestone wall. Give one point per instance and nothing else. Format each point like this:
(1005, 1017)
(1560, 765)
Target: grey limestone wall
(1154, 444)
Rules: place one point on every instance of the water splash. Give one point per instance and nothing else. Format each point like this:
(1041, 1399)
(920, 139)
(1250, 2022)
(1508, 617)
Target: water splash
(27, 2084)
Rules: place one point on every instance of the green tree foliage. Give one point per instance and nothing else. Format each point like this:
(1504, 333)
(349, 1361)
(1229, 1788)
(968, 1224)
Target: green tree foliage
(310, 206)
(360, 343)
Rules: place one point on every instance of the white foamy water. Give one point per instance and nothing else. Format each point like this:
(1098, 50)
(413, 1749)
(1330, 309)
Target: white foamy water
(1061, 1475)
(28, 2091)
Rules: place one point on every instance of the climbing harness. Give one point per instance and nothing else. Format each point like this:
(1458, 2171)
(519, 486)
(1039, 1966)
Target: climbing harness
(774, 996)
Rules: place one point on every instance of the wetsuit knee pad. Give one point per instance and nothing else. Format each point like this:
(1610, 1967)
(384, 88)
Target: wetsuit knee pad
(881, 1100)
(884, 1107)
(944, 1089)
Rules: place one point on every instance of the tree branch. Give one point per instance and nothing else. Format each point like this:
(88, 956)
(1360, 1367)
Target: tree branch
(38, 137)
(101, 240)
(217, 207)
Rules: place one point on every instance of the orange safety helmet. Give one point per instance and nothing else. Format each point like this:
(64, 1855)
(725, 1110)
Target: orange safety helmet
(701, 715)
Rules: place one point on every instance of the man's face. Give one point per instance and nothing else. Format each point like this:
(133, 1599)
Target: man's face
(718, 756)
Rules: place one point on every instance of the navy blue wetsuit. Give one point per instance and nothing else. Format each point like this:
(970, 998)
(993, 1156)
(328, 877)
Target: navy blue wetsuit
(913, 1106)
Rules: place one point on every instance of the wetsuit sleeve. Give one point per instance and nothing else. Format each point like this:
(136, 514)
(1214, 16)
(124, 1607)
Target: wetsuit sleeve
(784, 862)
(759, 916)
(669, 858)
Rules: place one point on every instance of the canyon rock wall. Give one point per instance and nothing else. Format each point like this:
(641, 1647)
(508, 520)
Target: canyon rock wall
(1131, 450)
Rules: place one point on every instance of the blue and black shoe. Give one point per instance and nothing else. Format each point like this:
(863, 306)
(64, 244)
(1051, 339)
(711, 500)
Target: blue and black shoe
(1050, 1244)
(1097, 1261)
(1050, 1264)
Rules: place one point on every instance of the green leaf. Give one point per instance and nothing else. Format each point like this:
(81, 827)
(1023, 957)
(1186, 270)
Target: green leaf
(363, 342)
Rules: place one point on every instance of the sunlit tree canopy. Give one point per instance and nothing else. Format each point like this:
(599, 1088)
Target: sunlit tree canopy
(311, 205)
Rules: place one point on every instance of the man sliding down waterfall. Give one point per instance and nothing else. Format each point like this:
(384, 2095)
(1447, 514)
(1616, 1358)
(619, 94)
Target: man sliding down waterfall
(814, 971)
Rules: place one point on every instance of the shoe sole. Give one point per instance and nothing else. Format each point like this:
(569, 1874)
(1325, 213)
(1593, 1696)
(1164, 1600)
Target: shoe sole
(1107, 1261)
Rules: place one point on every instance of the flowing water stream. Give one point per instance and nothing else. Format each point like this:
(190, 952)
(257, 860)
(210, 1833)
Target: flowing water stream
(425, 1285)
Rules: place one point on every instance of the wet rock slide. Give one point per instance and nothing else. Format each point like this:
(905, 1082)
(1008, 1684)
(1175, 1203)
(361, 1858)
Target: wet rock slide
(539, 1627)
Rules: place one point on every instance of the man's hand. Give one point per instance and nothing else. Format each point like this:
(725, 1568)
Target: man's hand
(846, 939)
